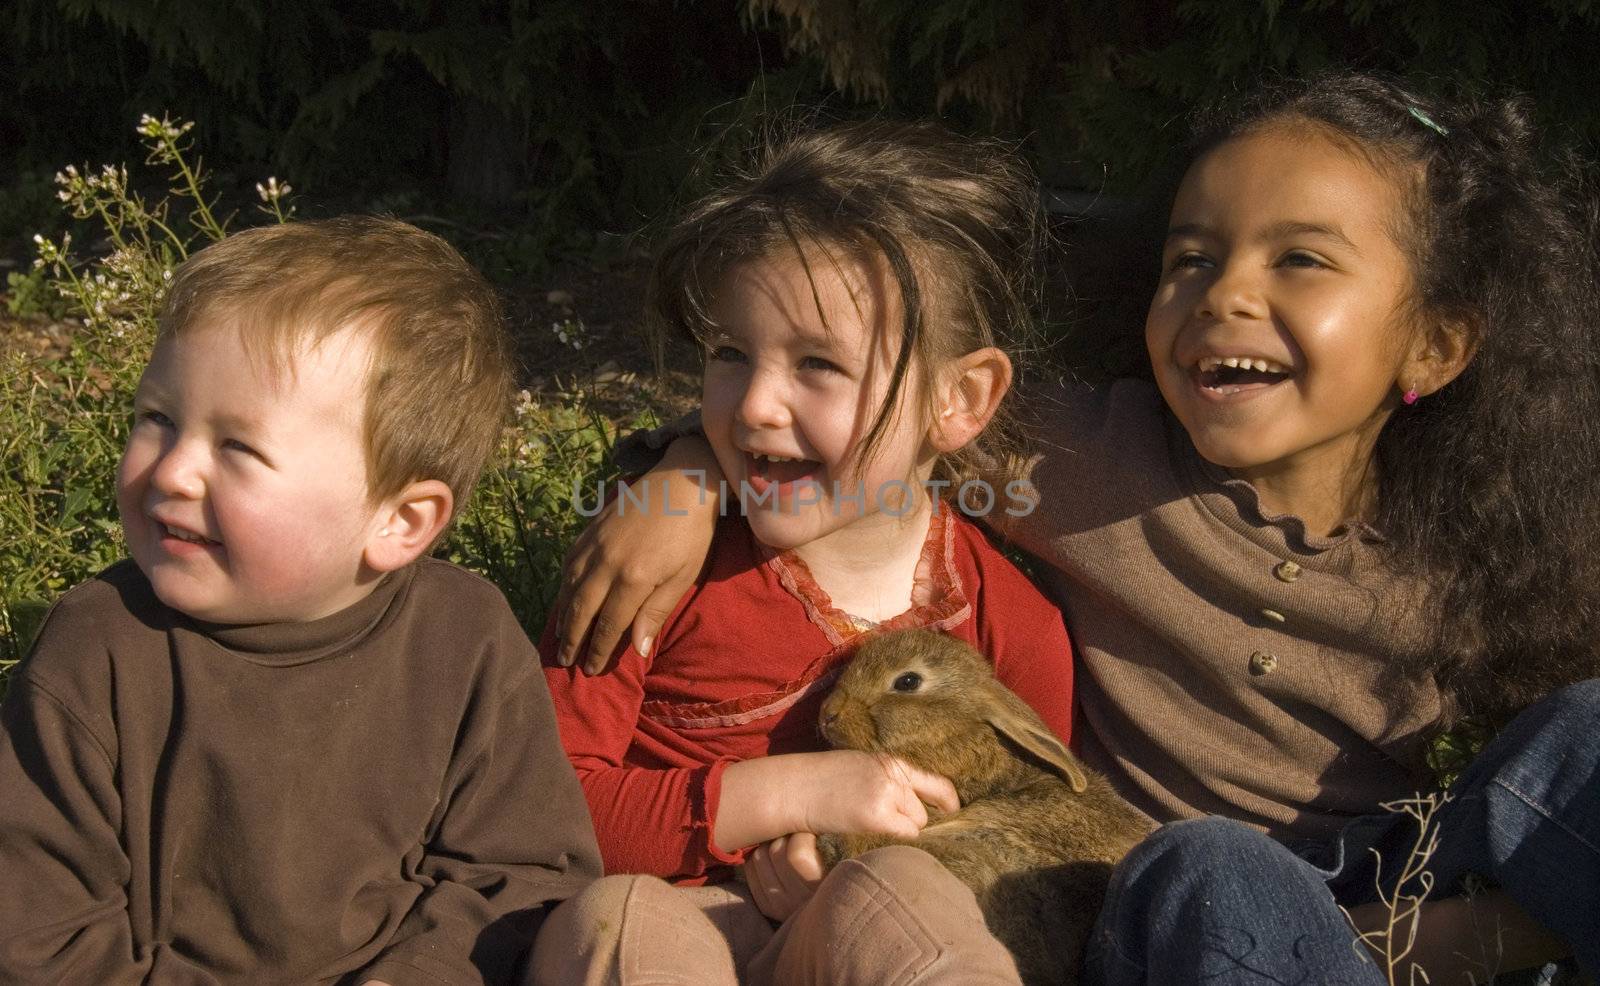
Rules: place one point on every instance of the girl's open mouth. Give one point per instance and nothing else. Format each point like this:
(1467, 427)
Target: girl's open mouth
(765, 472)
(1236, 375)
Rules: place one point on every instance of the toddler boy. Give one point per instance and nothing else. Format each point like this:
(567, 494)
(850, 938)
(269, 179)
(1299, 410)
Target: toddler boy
(280, 745)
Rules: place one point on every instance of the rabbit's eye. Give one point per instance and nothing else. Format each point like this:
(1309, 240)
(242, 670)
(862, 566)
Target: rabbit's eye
(908, 682)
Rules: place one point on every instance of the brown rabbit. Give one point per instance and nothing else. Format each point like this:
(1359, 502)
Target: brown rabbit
(1038, 833)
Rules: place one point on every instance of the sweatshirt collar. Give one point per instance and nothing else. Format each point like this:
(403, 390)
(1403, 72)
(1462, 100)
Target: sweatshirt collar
(287, 644)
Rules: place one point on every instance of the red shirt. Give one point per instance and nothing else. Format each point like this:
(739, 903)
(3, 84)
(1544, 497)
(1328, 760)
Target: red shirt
(741, 669)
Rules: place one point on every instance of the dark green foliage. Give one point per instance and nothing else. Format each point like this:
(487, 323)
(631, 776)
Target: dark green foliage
(1101, 87)
(1099, 92)
(564, 117)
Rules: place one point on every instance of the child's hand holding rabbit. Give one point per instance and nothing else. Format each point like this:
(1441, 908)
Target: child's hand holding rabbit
(781, 801)
(783, 874)
(831, 791)
(868, 794)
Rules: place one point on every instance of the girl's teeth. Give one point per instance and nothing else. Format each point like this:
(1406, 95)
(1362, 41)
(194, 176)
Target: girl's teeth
(1241, 363)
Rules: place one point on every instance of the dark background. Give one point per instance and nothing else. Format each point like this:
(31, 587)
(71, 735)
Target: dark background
(543, 136)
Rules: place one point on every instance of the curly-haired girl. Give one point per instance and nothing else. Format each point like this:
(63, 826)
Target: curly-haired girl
(1423, 293)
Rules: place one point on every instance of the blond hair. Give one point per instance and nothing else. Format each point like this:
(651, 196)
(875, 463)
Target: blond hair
(441, 377)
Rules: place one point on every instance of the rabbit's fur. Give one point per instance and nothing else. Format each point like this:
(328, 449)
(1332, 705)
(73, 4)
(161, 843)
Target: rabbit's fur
(1038, 833)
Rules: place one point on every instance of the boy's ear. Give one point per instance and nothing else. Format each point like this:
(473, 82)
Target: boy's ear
(1441, 353)
(969, 393)
(407, 524)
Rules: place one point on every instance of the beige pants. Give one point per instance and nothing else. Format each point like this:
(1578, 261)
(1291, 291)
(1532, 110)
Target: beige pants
(893, 917)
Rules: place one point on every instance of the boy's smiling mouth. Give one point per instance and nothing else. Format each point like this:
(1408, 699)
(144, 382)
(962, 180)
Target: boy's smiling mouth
(170, 531)
(1227, 376)
(765, 470)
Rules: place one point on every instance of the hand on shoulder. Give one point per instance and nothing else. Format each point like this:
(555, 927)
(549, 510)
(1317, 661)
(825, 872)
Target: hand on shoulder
(630, 567)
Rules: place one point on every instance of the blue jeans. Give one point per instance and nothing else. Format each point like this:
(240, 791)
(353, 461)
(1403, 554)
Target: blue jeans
(1213, 901)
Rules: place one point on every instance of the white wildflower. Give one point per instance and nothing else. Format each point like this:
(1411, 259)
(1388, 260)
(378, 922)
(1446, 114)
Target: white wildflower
(273, 190)
(570, 332)
(49, 251)
(162, 129)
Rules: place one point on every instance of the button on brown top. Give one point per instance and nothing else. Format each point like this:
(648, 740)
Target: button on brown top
(1286, 571)
(1263, 663)
(1274, 616)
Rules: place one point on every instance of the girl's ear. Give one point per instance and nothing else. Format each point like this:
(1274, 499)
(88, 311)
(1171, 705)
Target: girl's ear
(407, 524)
(1442, 351)
(969, 393)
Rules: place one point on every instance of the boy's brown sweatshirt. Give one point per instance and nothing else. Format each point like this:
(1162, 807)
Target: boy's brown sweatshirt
(380, 793)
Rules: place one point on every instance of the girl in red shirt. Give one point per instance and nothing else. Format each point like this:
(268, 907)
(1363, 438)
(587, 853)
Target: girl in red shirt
(854, 299)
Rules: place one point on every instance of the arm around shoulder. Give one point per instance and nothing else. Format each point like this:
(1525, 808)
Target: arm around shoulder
(632, 565)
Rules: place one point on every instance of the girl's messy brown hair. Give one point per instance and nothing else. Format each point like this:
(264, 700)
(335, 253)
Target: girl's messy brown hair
(956, 220)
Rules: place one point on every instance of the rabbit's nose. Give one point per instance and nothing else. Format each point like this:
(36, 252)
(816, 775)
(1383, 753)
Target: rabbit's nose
(823, 724)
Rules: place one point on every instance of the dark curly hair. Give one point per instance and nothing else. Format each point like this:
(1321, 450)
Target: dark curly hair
(957, 220)
(1488, 491)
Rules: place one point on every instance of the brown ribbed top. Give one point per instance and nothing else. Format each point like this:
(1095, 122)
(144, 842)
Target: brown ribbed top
(1229, 662)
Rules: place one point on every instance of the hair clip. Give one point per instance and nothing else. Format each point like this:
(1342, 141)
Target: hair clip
(1428, 121)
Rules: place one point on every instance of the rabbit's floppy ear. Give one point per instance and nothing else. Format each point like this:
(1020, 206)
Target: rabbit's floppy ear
(1040, 742)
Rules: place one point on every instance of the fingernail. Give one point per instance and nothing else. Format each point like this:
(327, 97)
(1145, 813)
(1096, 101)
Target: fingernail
(564, 657)
(645, 645)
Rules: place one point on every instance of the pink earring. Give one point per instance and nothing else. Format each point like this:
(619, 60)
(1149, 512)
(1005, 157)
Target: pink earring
(1410, 396)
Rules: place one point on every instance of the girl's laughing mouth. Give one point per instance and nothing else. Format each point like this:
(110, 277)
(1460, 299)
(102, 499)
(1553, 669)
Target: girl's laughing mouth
(764, 472)
(1229, 376)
